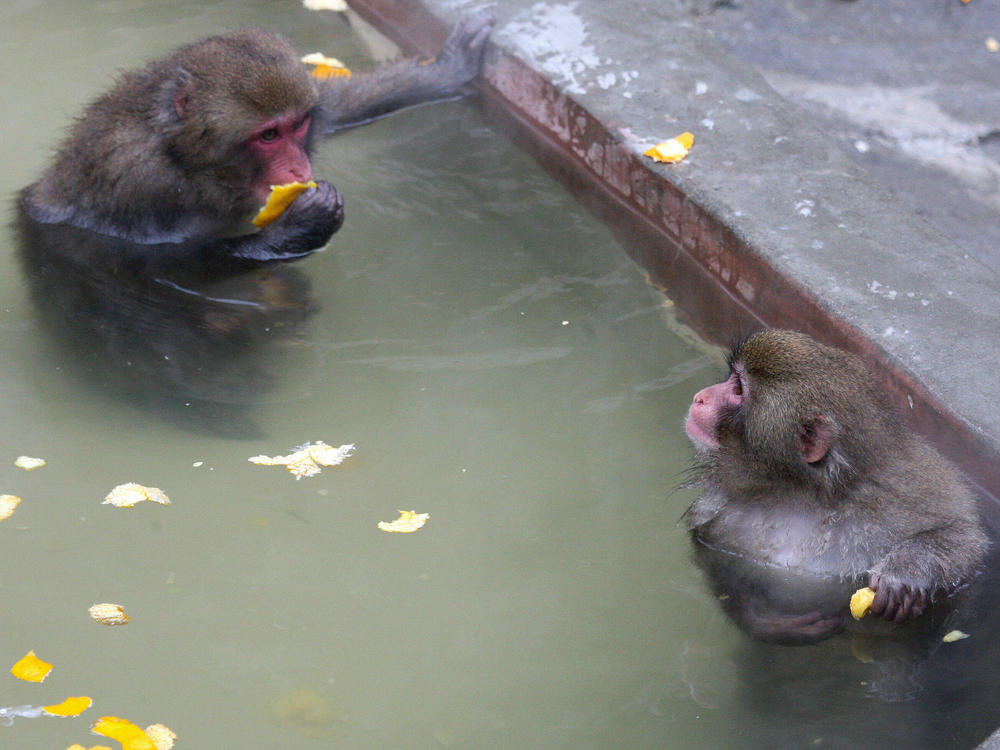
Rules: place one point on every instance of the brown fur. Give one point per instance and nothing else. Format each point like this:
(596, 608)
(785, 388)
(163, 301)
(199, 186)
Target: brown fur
(880, 507)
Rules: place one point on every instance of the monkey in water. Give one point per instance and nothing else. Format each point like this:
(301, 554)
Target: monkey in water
(137, 239)
(162, 172)
(806, 468)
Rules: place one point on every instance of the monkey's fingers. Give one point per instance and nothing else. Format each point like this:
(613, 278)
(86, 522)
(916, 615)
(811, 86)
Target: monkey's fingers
(463, 50)
(471, 32)
(905, 604)
(881, 599)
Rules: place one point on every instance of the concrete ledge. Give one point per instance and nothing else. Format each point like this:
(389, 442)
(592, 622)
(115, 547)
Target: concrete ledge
(765, 222)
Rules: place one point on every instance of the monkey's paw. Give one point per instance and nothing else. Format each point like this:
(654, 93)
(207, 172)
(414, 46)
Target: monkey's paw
(310, 221)
(462, 53)
(895, 600)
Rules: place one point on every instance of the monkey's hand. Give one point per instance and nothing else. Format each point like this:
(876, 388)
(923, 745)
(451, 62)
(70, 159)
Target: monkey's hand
(897, 600)
(305, 226)
(462, 54)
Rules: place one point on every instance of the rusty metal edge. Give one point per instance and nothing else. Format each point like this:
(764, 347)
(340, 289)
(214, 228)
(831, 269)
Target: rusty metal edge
(722, 285)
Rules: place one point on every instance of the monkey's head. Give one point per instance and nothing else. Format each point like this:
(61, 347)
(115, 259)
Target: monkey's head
(237, 109)
(794, 412)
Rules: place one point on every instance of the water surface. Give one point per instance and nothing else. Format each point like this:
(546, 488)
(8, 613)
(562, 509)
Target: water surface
(501, 365)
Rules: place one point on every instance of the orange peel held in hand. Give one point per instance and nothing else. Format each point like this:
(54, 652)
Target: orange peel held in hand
(861, 601)
(279, 200)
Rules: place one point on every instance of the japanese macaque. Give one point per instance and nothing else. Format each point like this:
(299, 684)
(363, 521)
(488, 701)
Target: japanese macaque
(807, 471)
(137, 239)
(179, 154)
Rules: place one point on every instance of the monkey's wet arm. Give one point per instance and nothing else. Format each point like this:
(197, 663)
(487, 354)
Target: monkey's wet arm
(907, 579)
(305, 226)
(347, 102)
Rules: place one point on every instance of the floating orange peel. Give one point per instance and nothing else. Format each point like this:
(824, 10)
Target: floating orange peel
(408, 522)
(279, 200)
(70, 707)
(31, 668)
(131, 736)
(161, 736)
(861, 602)
(28, 463)
(326, 67)
(672, 150)
(307, 459)
(108, 614)
(8, 503)
(127, 495)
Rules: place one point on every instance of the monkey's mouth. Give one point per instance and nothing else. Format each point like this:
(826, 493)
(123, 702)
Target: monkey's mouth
(699, 437)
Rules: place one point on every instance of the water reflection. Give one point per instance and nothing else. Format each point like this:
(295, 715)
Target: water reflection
(187, 338)
(942, 692)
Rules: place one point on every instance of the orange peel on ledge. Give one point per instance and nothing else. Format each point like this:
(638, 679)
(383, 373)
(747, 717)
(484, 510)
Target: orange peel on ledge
(672, 150)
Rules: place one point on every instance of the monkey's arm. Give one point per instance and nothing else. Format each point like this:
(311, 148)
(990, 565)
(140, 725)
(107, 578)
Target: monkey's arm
(305, 226)
(347, 102)
(933, 561)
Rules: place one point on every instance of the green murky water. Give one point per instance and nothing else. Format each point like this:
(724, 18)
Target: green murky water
(499, 363)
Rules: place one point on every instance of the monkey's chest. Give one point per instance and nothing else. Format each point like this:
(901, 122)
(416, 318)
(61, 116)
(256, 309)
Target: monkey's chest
(808, 541)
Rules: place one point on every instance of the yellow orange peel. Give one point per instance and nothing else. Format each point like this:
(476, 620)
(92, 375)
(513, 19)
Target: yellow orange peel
(408, 522)
(131, 736)
(326, 67)
(70, 707)
(307, 459)
(108, 614)
(162, 737)
(279, 200)
(28, 462)
(671, 150)
(8, 503)
(861, 601)
(31, 668)
(127, 495)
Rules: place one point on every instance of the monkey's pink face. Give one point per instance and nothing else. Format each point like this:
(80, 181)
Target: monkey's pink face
(279, 145)
(707, 408)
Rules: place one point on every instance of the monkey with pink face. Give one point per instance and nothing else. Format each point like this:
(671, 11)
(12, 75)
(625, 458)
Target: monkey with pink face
(806, 469)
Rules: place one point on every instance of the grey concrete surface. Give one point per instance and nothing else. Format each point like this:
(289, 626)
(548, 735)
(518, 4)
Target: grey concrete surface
(765, 167)
(909, 90)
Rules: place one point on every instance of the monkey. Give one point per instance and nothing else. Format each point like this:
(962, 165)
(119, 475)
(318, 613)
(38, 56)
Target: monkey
(136, 239)
(809, 472)
(179, 153)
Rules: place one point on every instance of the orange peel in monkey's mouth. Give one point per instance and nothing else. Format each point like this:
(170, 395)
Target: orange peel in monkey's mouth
(281, 198)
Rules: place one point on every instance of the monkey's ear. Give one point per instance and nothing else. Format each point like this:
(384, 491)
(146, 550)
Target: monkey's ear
(172, 99)
(815, 438)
